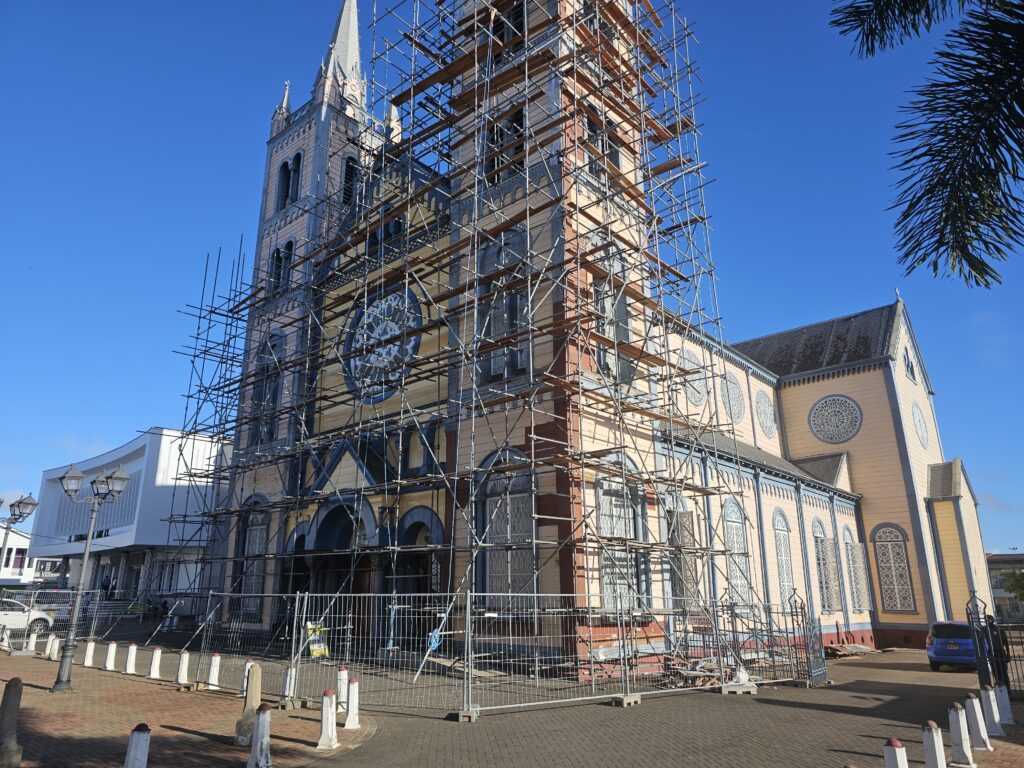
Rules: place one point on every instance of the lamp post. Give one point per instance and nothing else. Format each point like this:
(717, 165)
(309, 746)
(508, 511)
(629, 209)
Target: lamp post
(105, 488)
(19, 512)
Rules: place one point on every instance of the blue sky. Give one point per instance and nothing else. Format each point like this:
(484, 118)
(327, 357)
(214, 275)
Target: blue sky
(134, 137)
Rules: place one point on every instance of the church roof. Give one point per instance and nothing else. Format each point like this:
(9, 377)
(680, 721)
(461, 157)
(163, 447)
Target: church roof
(824, 468)
(841, 341)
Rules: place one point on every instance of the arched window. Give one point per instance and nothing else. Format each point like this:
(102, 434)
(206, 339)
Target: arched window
(680, 537)
(783, 556)
(615, 316)
(280, 267)
(625, 570)
(250, 556)
(503, 311)
(857, 571)
(828, 576)
(893, 569)
(738, 563)
(348, 183)
(296, 179)
(284, 186)
(506, 526)
(266, 391)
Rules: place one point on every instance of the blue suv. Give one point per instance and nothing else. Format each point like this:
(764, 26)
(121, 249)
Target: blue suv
(950, 642)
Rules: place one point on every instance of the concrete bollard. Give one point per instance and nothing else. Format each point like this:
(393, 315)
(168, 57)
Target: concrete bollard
(5, 639)
(253, 695)
(108, 663)
(934, 752)
(352, 718)
(129, 662)
(181, 676)
(90, 651)
(990, 709)
(213, 679)
(138, 747)
(287, 688)
(56, 649)
(959, 737)
(259, 757)
(895, 754)
(328, 722)
(1005, 712)
(10, 705)
(46, 648)
(33, 638)
(976, 724)
(245, 677)
(154, 664)
(342, 689)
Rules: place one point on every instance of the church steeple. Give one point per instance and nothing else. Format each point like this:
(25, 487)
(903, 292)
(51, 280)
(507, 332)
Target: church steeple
(340, 69)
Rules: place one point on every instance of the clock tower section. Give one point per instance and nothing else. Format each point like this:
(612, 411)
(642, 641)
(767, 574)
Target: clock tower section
(310, 177)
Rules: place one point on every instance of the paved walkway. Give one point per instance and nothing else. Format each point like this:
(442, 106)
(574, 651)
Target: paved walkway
(873, 698)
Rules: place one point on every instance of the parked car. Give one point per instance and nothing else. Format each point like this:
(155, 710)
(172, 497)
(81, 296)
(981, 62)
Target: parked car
(19, 617)
(950, 642)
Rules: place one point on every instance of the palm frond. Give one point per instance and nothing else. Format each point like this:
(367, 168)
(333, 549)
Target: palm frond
(960, 198)
(880, 24)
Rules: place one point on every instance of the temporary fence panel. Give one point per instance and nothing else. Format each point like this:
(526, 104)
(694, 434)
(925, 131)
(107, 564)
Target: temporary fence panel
(998, 648)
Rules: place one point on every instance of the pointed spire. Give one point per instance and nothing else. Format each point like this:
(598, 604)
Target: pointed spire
(341, 66)
(283, 111)
(285, 107)
(393, 125)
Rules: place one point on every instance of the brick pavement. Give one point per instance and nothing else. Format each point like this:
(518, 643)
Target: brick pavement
(873, 698)
(89, 728)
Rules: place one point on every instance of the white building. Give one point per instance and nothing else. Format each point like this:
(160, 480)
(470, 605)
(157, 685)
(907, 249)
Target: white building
(145, 542)
(16, 567)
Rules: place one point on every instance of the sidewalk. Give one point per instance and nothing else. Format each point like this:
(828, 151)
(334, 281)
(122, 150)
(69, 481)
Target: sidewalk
(873, 698)
(89, 728)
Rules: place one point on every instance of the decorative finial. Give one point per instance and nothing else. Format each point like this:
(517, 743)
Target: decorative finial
(898, 297)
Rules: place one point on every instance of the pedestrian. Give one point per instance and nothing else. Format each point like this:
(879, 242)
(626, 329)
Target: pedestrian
(105, 587)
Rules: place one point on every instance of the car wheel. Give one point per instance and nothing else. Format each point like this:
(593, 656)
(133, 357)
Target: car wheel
(934, 665)
(38, 626)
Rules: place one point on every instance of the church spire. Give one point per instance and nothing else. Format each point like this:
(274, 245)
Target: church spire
(283, 111)
(340, 68)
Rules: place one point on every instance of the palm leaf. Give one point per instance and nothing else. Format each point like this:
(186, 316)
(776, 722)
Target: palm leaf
(880, 24)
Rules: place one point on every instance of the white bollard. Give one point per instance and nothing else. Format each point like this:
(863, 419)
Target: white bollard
(48, 650)
(895, 754)
(5, 640)
(245, 678)
(259, 757)
(108, 663)
(138, 747)
(129, 662)
(959, 737)
(288, 691)
(181, 678)
(328, 722)
(56, 649)
(1005, 712)
(90, 651)
(154, 664)
(213, 680)
(934, 752)
(342, 689)
(990, 709)
(33, 638)
(976, 725)
(352, 718)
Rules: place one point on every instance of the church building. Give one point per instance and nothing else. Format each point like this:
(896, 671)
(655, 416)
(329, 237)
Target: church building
(482, 357)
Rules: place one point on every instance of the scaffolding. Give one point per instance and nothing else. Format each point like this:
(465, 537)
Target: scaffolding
(502, 311)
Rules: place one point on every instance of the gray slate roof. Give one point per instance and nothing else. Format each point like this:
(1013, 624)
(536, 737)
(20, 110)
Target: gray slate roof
(824, 468)
(841, 341)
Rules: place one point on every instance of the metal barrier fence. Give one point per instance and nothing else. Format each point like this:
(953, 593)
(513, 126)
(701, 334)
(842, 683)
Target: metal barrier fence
(473, 651)
(998, 648)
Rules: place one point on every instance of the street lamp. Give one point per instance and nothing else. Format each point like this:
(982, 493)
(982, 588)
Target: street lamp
(105, 488)
(19, 512)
